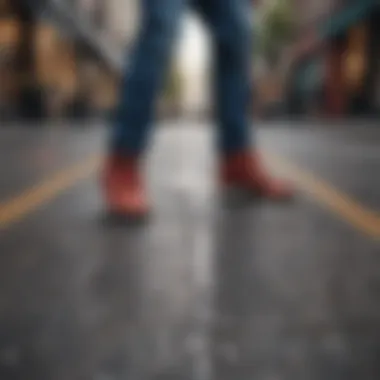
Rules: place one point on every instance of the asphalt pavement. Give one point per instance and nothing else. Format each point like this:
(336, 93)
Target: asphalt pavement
(204, 290)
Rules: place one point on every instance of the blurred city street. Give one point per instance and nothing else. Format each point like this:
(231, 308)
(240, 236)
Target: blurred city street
(204, 290)
(212, 286)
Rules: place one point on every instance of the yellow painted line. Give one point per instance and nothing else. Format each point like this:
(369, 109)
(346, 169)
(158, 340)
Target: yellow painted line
(20, 206)
(322, 192)
(348, 209)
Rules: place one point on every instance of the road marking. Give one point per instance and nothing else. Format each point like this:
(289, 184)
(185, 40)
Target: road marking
(364, 220)
(21, 205)
(322, 192)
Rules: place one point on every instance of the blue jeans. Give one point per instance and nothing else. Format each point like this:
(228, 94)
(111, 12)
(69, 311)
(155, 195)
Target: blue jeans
(229, 22)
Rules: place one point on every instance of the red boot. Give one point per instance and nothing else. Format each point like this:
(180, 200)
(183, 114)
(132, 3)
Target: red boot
(123, 187)
(244, 170)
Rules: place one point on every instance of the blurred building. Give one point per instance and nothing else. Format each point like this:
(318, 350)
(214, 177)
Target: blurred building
(123, 18)
(308, 11)
(39, 50)
(336, 64)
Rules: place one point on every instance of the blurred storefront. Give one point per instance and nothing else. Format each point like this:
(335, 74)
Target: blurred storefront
(338, 75)
(46, 71)
(48, 68)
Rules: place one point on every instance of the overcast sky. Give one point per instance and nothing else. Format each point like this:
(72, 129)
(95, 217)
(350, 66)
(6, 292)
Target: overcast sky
(193, 45)
(192, 55)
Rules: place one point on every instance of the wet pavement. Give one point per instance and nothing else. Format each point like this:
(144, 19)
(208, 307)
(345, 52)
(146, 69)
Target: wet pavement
(204, 291)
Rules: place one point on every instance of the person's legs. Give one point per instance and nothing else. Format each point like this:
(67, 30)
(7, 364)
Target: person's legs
(122, 181)
(232, 48)
(230, 22)
(143, 79)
